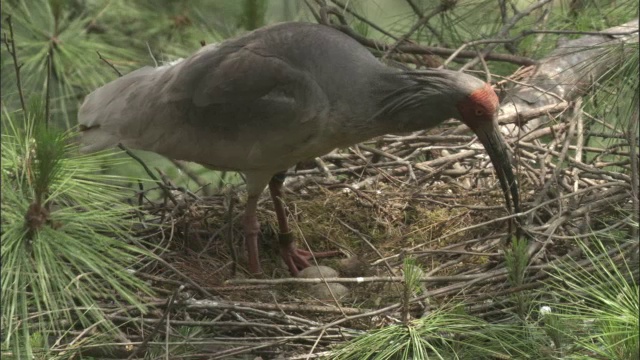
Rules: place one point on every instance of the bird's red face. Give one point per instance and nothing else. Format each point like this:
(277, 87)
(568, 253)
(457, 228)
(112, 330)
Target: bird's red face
(480, 107)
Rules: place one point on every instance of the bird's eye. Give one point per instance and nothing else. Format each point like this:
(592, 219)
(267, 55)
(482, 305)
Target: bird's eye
(479, 112)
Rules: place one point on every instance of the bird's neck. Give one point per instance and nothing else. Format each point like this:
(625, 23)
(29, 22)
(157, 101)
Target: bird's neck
(411, 101)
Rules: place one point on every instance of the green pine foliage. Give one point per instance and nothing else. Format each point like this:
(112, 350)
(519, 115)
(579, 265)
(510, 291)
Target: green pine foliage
(66, 239)
(597, 301)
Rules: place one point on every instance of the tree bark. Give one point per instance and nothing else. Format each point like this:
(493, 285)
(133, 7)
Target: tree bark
(570, 71)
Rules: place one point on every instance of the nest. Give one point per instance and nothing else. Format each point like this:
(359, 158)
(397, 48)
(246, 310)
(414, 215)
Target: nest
(430, 195)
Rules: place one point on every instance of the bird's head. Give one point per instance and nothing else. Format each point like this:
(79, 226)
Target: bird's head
(426, 98)
(479, 107)
(478, 111)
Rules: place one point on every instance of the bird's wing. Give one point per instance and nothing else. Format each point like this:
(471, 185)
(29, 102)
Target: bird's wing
(242, 77)
(239, 107)
(236, 74)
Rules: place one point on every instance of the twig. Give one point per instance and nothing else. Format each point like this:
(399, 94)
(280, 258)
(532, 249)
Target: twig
(522, 117)
(202, 183)
(364, 238)
(575, 32)
(363, 19)
(48, 93)
(270, 310)
(109, 63)
(418, 13)
(159, 323)
(430, 50)
(191, 323)
(313, 11)
(245, 349)
(635, 177)
(504, 30)
(443, 6)
(186, 278)
(358, 280)
(485, 68)
(523, 34)
(11, 48)
(162, 186)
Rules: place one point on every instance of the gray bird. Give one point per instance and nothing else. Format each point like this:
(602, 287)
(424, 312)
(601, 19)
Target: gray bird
(282, 94)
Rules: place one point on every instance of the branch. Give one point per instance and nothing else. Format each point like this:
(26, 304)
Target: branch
(569, 70)
(430, 50)
(48, 96)
(159, 323)
(109, 63)
(162, 186)
(363, 19)
(11, 48)
(444, 6)
(504, 31)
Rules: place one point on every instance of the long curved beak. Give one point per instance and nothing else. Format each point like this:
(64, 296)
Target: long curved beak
(494, 144)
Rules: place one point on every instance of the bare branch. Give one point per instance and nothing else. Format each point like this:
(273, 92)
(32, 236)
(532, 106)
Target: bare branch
(10, 43)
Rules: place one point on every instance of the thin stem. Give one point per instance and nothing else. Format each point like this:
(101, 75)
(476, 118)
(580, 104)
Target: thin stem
(162, 186)
(409, 48)
(47, 105)
(422, 21)
(12, 50)
(109, 63)
(635, 181)
(363, 19)
(505, 30)
(156, 328)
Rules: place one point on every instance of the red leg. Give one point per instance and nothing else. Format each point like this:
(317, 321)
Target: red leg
(296, 259)
(251, 230)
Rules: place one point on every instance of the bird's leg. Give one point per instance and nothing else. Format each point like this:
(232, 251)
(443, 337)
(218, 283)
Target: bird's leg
(288, 249)
(251, 230)
(296, 259)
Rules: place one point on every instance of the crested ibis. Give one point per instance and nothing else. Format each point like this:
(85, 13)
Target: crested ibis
(262, 102)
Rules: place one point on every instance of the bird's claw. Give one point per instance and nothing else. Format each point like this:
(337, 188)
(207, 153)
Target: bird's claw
(298, 259)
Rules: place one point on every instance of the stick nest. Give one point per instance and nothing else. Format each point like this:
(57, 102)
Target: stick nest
(429, 195)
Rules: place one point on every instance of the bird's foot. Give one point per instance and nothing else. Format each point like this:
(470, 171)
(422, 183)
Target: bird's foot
(298, 259)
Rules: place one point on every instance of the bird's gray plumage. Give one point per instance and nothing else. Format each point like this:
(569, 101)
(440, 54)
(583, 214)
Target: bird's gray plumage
(265, 101)
(262, 102)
